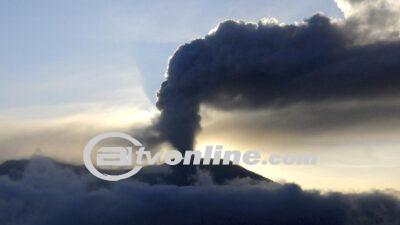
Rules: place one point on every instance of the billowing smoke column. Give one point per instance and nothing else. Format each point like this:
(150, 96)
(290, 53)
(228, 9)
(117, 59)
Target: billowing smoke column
(251, 66)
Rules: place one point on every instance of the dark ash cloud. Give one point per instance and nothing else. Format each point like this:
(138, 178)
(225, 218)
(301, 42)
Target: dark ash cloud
(329, 117)
(259, 66)
(48, 194)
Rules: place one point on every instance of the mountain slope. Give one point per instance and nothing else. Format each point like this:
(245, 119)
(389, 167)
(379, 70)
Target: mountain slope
(180, 175)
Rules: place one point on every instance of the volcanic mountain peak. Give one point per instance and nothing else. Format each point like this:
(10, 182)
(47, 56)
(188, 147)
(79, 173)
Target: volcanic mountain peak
(180, 175)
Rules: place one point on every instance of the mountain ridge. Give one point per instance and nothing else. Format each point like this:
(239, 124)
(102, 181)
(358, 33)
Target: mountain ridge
(180, 175)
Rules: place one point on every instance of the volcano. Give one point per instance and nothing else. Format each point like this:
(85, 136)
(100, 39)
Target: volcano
(180, 175)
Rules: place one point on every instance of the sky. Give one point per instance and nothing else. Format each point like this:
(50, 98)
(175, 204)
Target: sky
(72, 69)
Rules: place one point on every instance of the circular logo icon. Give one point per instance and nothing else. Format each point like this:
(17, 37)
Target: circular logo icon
(117, 156)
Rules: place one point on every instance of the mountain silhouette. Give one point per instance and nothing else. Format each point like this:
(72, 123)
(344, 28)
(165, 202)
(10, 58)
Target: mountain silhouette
(180, 175)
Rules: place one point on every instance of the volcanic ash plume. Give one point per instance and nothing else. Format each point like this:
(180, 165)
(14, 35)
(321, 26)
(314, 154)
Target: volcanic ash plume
(252, 66)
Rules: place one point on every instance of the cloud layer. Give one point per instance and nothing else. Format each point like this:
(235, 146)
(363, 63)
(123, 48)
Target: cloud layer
(372, 20)
(49, 194)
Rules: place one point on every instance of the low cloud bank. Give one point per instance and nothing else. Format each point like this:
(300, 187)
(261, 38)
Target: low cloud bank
(49, 194)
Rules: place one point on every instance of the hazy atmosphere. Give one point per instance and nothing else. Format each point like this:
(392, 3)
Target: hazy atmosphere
(317, 77)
